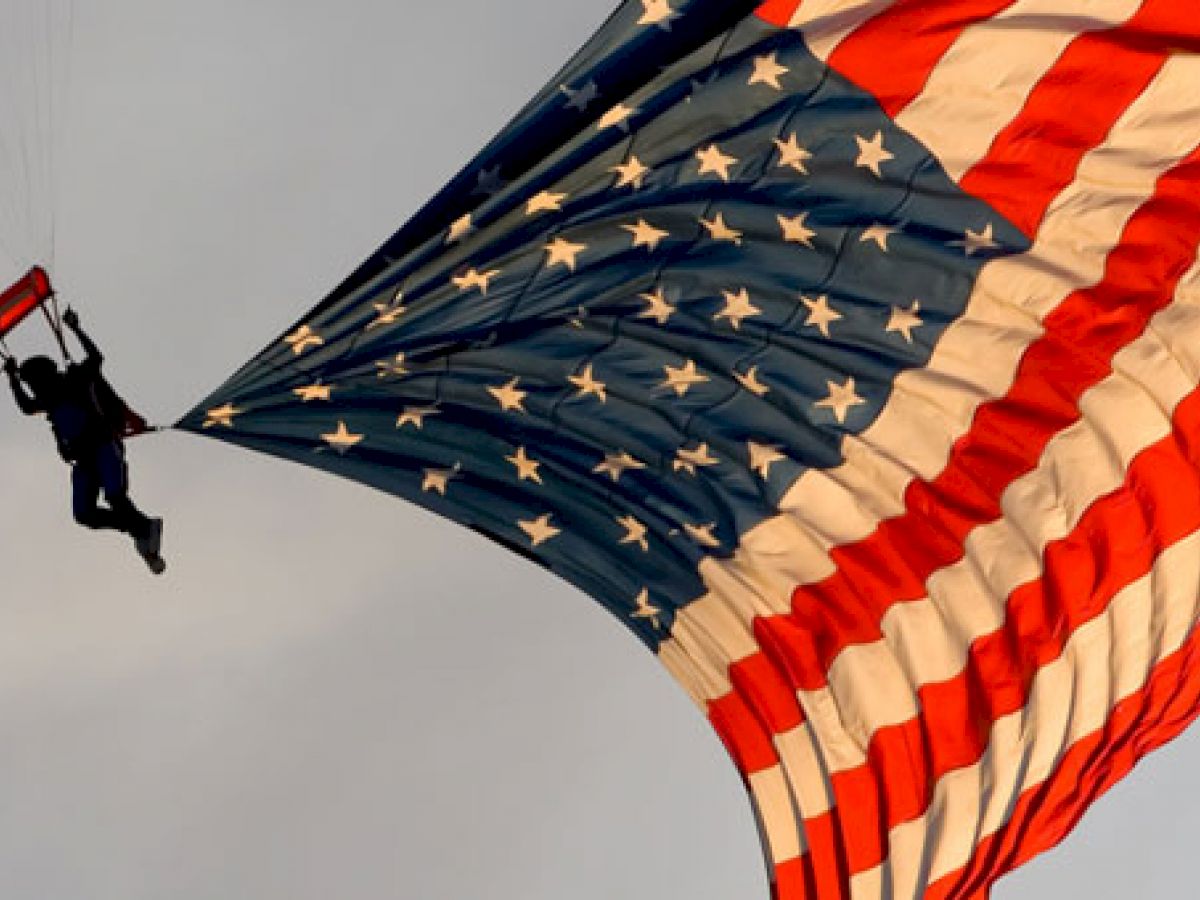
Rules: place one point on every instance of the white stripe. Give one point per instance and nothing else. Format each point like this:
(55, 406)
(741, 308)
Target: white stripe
(826, 23)
(777, 815)
(782, 793)
(983, 81)
(805, 770)
(1105, 661)
(932, 407)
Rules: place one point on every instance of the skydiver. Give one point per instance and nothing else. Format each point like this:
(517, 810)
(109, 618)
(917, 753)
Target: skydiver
(88, 430)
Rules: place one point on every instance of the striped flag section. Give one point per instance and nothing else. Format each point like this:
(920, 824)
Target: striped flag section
(848, 351)
(943, 650)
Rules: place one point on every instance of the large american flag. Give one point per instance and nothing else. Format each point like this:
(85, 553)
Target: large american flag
(848, 353)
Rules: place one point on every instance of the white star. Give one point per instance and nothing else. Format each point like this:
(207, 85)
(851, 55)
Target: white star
(473, 278)
(842, 398)
(527, 467)
(977, 241)
(560, 251)
(646, 235)
(820, 314)
(460, 228)
(767, 70)
(387, 313)
(737, 307)
(631, 173)
(687, 460)
(312, 392)
(879, 233)
(749, 380)
(580, 99)
(718, 230)
(509, 397)
(681, 379)
(644, 609)
(303, 338)
(703, 534)
(792, 155)
(762, 457)
(342, 439)
(617, 117)
(713, 161)
(635, 532)
(545, 202)
(658, 308)
(395, 367)
(795, 229)
(588, 384)
(221, 415)
(415, 416)
(617, 464)
(539, 530)
(872, 153)
(903, 321)
(439, 479)
(657, 12)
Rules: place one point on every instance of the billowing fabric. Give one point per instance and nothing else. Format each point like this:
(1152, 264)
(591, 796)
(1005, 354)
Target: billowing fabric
(847, 352)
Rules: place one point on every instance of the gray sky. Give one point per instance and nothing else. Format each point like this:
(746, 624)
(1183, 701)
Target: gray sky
(333, 694)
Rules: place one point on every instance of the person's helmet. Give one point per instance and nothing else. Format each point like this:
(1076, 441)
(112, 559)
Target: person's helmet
(40, 373)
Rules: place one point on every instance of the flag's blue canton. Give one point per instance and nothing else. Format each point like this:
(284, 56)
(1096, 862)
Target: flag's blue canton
(663, 306)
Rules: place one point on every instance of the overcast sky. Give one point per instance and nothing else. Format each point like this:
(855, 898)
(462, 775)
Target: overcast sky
(332, 694)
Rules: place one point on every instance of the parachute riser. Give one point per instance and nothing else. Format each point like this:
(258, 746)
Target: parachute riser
(54, 320)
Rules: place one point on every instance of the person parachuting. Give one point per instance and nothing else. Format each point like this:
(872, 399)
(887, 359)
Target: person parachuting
(90, 422)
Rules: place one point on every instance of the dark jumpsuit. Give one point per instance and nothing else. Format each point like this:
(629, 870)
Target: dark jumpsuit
(89, 443)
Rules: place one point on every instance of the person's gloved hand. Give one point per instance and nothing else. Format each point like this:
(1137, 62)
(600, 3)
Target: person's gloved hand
(71, 318)
(11, 366)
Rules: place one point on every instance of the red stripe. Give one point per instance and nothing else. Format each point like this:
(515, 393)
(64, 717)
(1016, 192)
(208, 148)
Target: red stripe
(1045, 815)
(743, 733)
(761, 704)
(824, 866)
(893, 54)
(778, 12)
(1041, 148)
(792, 880)
(1007, 439)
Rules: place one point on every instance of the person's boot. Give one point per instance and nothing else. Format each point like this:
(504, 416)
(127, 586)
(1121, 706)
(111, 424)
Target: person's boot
(149, 546)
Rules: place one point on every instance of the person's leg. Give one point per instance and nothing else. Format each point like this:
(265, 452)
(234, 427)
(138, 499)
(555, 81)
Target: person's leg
(114, 478)
(85, 492)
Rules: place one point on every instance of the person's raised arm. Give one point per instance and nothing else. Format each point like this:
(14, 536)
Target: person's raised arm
(71, 320)
(24, 400)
